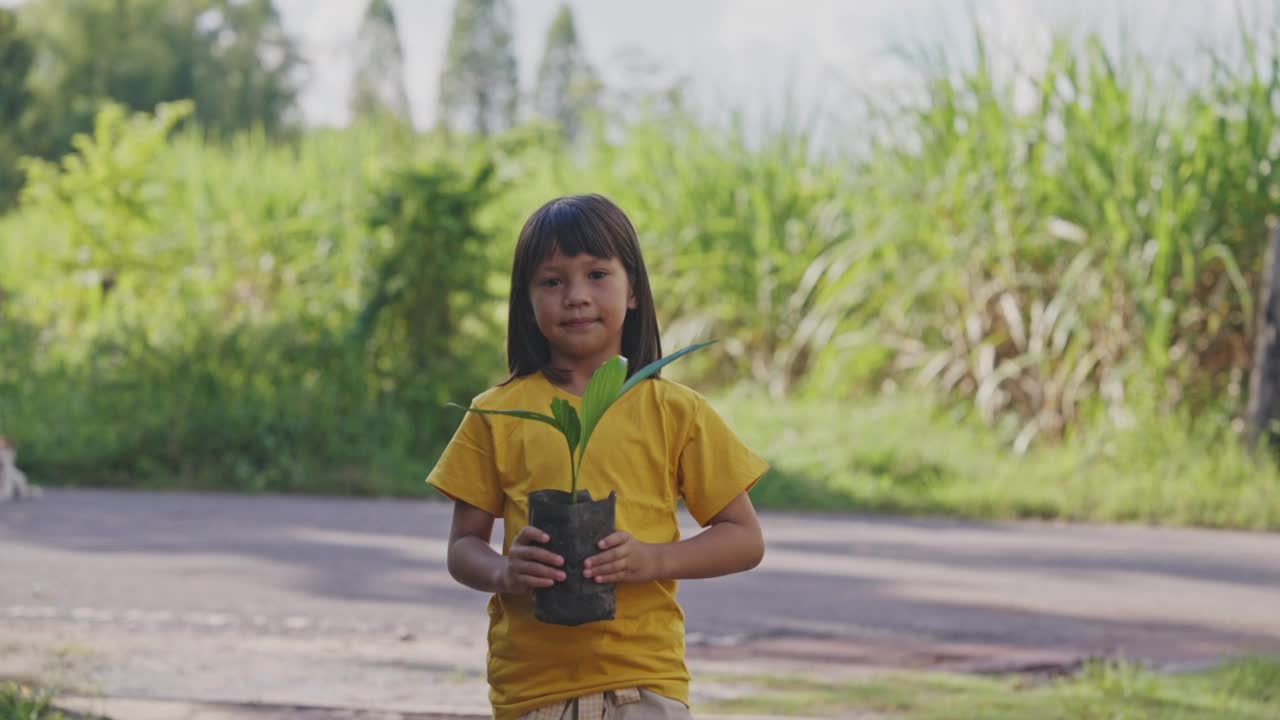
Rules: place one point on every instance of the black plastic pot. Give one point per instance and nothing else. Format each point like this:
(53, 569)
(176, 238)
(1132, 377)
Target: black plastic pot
(574, 529)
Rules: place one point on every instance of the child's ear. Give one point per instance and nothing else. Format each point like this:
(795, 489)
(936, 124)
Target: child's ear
(631, 299)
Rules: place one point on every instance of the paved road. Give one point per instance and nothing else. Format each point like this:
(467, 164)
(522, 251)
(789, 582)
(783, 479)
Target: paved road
(347, 602)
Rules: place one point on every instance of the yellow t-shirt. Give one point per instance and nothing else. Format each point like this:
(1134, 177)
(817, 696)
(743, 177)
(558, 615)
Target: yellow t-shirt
(658, 443)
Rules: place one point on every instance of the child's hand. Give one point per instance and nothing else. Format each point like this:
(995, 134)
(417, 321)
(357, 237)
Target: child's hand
(624, 559)
(529, 566)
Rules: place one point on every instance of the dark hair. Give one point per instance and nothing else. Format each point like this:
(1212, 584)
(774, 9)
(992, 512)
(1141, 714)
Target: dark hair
(573, 225)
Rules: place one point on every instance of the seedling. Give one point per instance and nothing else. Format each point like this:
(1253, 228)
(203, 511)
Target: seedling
(608, 383)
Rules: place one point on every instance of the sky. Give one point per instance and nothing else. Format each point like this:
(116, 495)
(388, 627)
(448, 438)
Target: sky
(746, 52)
(752, 53)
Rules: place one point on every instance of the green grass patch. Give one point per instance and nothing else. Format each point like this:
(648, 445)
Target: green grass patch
(909, 455)
(1240, 690)
(22, 702)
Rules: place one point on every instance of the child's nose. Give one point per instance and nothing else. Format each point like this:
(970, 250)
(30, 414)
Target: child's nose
(575, 293)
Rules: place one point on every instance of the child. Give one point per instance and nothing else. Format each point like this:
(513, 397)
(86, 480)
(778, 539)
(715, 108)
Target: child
(579, 296)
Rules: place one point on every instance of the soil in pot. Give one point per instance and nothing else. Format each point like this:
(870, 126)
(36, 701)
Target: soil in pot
(575, 529)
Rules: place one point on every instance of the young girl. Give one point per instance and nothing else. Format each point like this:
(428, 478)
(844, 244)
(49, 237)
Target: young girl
(579, 296)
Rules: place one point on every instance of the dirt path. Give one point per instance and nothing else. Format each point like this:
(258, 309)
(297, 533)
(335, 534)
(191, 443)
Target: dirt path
(318, 601)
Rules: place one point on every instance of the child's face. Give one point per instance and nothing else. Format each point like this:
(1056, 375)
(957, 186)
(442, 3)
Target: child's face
(580, 304)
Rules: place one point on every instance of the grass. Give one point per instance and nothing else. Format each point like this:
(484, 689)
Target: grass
(909, 455)
(1246, 689)
(1242, 689)
(22, 702)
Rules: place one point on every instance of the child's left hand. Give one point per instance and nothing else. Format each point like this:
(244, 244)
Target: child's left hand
(624, 559)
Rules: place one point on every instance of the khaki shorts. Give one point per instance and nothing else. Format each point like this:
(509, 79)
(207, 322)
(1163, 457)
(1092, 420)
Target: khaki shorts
(652, 706)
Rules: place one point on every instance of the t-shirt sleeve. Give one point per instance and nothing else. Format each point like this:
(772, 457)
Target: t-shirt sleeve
(467, 470)
(715, 466)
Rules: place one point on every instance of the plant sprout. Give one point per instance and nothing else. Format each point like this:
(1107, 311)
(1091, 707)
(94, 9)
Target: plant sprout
(608, 383)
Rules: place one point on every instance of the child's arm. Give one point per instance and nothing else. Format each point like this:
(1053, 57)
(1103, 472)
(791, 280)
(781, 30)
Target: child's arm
(474, 563)
(731, 543)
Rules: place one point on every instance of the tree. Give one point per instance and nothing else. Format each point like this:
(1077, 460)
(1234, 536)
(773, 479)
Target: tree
(247, 72)
(478, 86)
(16, 56)
(568, 87)
(108, 197)
(231, 56)
(417, 309)
(378, 88)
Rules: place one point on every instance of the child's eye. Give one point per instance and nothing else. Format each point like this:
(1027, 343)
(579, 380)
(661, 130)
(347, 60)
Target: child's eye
(549, 282)
(598, 274)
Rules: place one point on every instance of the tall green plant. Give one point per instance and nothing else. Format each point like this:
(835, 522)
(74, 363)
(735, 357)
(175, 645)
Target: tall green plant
(110, 208)
(433, 259)
(608, 383)
(747, 234)
(240, 268)
(1043, 259)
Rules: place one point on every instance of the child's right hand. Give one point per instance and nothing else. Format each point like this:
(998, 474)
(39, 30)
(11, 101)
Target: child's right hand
(529, 566)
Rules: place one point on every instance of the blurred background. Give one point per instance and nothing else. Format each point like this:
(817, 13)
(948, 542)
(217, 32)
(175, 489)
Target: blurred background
(999, 260)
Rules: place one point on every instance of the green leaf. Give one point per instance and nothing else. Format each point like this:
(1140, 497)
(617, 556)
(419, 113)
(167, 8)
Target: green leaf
(567, 418)
(523, 414)
(573, 430)
(608, 383)
(602, 390)
(658, 364)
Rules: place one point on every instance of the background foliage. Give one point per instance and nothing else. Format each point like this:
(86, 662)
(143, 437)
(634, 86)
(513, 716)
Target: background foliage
(1050, 301)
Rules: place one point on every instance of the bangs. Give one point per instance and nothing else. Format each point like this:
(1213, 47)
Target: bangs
(565, 227)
